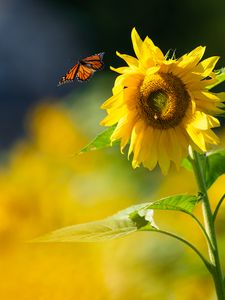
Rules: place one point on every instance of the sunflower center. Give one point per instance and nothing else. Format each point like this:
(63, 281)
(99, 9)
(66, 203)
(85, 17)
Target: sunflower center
(164, 100)
(158, 100)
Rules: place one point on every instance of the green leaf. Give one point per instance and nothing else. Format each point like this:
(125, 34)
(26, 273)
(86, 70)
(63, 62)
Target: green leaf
(143, 218)
(112, 227)
(102, 140)
(215, 166)
(90, 232)
(220, 75)
(184, 203)
(134, 218)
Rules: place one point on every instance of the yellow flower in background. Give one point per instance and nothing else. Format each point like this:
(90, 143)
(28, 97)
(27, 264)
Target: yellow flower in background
(43, 187)
(161, 106)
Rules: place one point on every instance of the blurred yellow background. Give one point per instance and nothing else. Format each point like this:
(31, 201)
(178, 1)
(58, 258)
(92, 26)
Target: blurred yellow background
(45, 185)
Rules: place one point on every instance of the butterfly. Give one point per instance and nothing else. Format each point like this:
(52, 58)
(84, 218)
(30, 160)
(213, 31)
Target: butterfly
(84, 69)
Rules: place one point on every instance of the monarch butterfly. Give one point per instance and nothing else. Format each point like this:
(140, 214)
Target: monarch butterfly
(84, 69)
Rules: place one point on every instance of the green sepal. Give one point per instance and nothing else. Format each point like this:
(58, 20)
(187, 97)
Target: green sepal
(220, 75)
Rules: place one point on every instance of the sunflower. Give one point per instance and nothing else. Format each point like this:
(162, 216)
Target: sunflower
(161, 105)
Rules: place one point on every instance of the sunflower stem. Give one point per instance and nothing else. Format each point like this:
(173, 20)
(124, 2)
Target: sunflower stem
(198, 168)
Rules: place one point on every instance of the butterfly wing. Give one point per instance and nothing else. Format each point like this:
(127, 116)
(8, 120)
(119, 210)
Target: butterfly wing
(70, 75)
(84, 69)
(84, 73)
(94, 62)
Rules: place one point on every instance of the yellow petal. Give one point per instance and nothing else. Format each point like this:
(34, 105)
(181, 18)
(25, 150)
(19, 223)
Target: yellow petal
(133, 80)
(119, 83)
(208, 96)
(152, 70)
(196, 137)
(137, 43)
(183, 140)
(221, 96)
(190, 79)
(163, 147)
(130, 60)
(211, 137)
(205, 67)
(213, 122)
(203, 121)
(124, 128)
(157, 50)
(150, 142)
(146, 143)
(127, 80)
(131, 97)
(190, 60)
(114, 116)
(112, 101)
(121, 70)
(151, 55)
(136, 142)
(201, 84)
(210, 107)
(175, 147)
(134, 136)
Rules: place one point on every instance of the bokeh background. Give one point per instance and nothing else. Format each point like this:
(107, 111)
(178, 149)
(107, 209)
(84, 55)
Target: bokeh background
(45, 185)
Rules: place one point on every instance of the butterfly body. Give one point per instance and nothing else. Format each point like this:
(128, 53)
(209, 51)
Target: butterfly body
(84, 69)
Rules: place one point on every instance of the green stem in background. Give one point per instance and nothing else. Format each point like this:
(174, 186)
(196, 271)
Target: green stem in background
(218, 207)
(202, 229)
(198, 168)
(207, 264)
